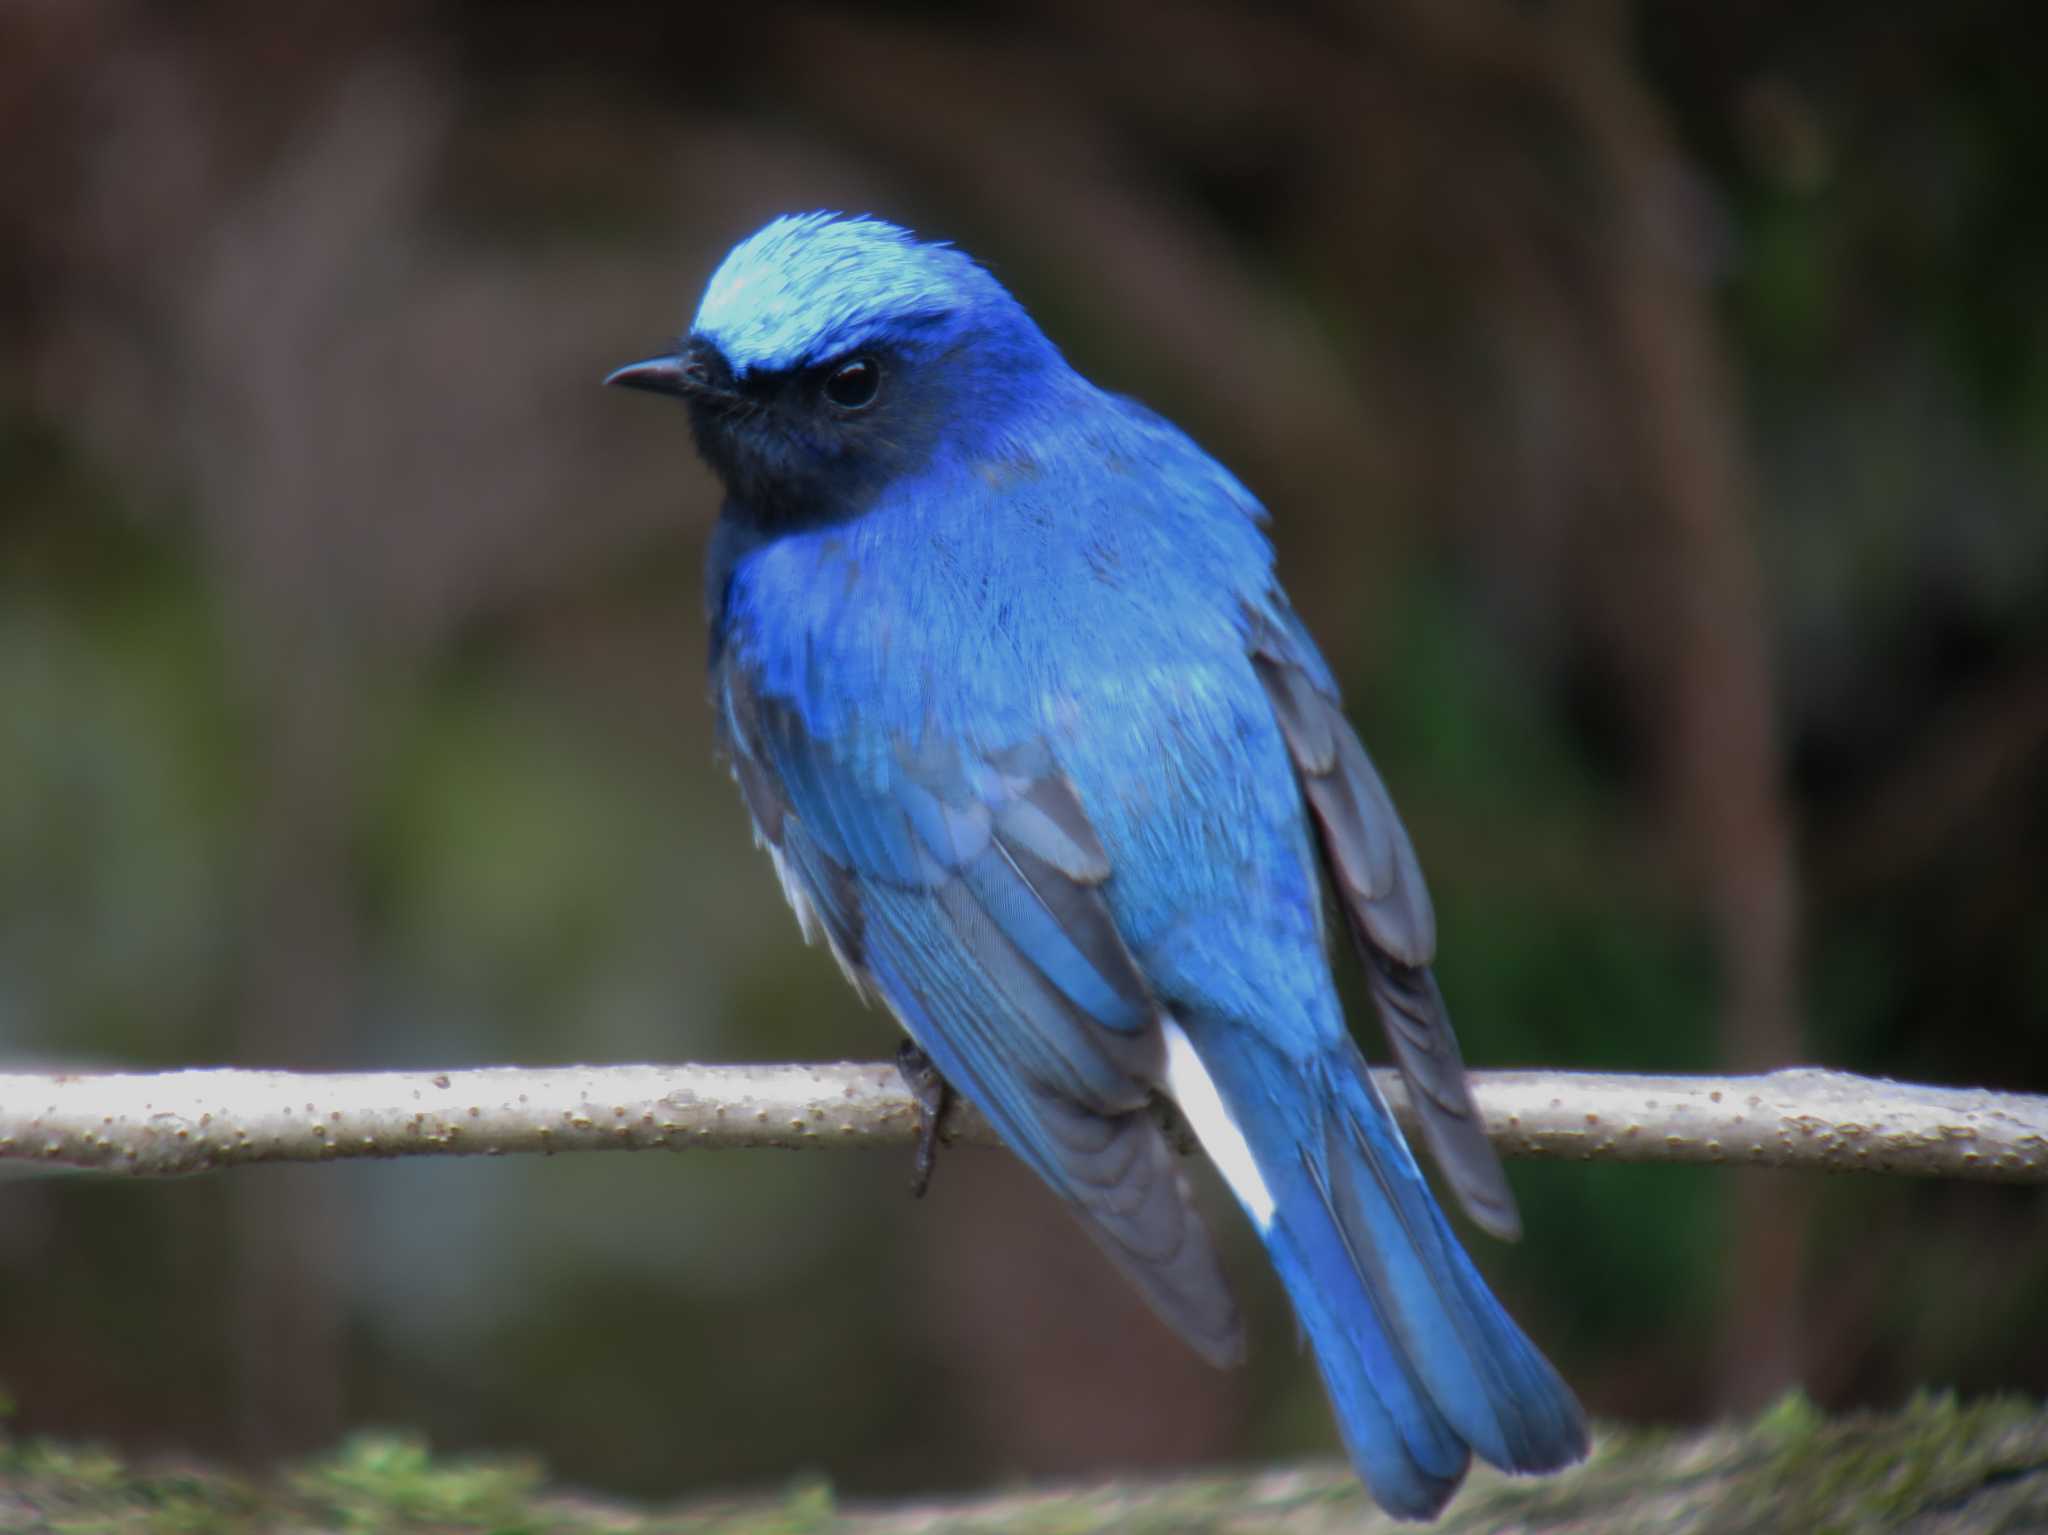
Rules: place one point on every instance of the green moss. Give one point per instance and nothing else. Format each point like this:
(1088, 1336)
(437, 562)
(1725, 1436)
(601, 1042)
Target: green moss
(82, 1490)
(1876, 1472)
(1935, 1465)
(378, 1482)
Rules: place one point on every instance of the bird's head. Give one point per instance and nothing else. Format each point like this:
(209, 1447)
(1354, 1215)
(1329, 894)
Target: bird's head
(831, 355)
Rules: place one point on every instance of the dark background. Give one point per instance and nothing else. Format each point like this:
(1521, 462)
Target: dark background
(1653, 403)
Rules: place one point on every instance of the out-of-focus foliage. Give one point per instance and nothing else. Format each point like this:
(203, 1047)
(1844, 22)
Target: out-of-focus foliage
(1653, 403)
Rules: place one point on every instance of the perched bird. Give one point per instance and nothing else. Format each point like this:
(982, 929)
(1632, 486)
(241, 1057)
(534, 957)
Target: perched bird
(1039, 747)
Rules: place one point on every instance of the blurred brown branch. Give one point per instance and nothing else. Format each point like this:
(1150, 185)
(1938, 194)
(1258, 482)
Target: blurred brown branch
(168, 1123)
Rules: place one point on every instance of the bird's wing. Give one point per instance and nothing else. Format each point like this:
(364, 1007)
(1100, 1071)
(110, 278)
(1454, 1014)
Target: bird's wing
(965, 891)
(1379, 887)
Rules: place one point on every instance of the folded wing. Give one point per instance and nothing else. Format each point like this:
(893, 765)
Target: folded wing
(964, 890)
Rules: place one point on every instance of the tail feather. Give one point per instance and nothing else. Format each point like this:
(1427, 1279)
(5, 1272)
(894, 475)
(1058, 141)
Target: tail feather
(1500, 1394)
(1405, 1449)
(1422, 1365)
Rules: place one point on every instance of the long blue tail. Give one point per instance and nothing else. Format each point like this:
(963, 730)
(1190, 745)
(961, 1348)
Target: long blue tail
(1422, 1365)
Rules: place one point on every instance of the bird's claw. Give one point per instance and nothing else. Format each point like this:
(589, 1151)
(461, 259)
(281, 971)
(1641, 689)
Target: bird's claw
(931, 1092)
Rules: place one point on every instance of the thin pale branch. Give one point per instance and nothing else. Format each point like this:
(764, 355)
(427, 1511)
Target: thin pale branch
(163, 1124)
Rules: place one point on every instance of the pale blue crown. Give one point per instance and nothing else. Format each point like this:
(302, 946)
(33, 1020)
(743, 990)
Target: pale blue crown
(812, 286)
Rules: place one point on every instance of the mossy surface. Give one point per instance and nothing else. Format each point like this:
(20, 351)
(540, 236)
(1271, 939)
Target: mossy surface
(1935, 1466)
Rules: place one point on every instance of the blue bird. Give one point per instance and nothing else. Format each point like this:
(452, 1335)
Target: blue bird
(1040, 749)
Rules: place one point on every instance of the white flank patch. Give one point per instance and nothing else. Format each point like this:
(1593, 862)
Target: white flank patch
(1194, 1090)
(800, 903)
(807, 920)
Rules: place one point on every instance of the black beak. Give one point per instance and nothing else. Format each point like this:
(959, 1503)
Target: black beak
(678, 374)
(693, 371)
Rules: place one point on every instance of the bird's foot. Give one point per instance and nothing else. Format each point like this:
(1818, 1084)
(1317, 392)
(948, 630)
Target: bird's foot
(932, 1093)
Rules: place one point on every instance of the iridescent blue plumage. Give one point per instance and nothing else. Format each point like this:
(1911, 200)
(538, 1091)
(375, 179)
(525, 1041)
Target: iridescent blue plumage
(1041, 750)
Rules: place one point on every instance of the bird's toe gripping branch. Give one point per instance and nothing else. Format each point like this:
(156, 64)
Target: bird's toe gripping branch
(932, 1093)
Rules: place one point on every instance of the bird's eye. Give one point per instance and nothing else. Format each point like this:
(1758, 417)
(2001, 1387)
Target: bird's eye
(854, 384)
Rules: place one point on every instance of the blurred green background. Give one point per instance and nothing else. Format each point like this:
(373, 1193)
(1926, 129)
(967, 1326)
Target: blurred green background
(1653, 403)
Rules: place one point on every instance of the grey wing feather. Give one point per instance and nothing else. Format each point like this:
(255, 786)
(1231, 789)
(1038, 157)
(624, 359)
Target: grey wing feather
(1379, 885)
